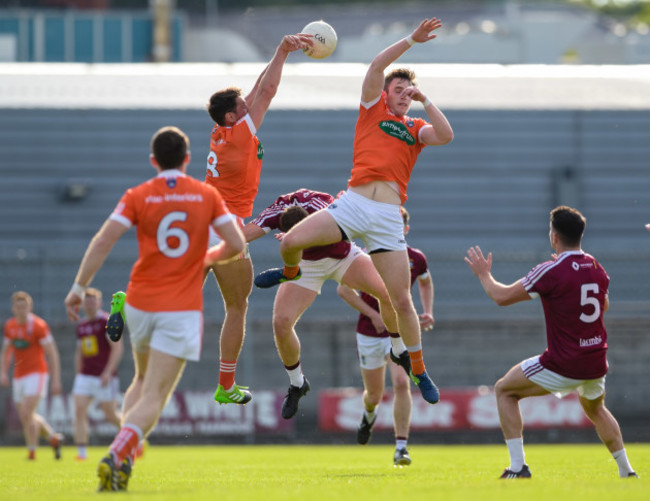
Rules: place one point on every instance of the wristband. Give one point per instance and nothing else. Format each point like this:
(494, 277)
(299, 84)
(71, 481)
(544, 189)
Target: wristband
(427, 102)
(78, 289)
(410, 41)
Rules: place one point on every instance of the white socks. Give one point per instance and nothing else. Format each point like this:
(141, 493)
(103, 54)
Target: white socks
(397, 344)
(624, 467)
(295, 376)
(516, 451)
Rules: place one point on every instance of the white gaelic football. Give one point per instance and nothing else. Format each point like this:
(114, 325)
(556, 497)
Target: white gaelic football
(324, 39)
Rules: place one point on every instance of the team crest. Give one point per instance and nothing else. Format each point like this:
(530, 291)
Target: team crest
(171, 182)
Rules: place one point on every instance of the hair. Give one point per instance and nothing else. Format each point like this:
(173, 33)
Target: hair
(222, 102)
(401, 73)
(21, 296)
(93, 292)
(405, 215)
(569, 224)
(169, 146)
(292, 216)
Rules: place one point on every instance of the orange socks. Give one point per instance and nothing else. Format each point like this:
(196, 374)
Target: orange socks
(227, 373)
(290, 271)
(417, 362)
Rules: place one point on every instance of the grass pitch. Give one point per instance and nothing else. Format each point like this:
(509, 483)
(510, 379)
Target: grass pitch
(331, 473)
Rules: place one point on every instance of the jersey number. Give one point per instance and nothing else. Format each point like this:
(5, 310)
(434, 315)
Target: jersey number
(212, 164)
(165, 232)
(586, 299)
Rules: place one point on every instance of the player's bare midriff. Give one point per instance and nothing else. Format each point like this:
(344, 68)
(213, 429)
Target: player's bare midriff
(380, 191)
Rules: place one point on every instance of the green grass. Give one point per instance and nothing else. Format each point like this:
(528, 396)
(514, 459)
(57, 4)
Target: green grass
(332, 473)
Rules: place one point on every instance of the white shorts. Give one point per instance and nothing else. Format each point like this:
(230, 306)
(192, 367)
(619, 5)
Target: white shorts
(561, 386)
(314, 273)
(30, 385)
(377, 224)
(91, 386)
(215, 239)
(372, 351)
(177, 333)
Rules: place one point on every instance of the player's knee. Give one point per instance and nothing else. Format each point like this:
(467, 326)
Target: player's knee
(501, 389)
(282, 325)
(236, 305)
(373, 396)
(403, 304)
(402, 385)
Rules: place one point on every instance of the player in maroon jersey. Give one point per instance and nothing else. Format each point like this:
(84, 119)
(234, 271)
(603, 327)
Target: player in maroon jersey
(96, 361)
(573, 289)
(373, 345)
(342, 261)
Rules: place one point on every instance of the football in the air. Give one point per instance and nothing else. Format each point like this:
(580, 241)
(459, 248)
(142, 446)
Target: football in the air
(324, 39)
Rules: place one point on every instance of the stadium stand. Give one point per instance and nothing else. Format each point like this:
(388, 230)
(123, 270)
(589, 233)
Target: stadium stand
(64, 168)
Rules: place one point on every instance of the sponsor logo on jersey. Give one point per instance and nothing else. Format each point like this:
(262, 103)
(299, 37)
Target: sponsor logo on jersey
(260, 151)
(592, 341)
(397, 130)
(20, 344)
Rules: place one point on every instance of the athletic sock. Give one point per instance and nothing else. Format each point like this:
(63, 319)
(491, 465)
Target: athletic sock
(370, 415)
(125, 443)
(400, 443)
(417, 359)
(296, 377)
(396, 343)
(81, 452)
(227, 373)
(516, 451)
(290, 271)
(624, 467)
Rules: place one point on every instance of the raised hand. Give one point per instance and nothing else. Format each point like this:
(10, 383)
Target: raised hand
(423, 33)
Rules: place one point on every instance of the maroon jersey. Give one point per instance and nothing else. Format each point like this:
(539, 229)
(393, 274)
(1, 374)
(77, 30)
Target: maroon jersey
(573, 289)
(418, 266)
(311, 201)
(95, 346)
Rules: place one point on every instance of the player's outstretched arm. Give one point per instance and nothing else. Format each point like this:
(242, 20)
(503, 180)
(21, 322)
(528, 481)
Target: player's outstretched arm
(232, 244)
(269, 80)
(252, 232)
(501, 294)
(98, 249)
(374, 80)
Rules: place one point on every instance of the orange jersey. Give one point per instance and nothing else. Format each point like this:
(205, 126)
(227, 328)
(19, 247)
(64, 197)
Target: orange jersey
(235, 165)
(26, 344)
(386, 146)
(172, 213)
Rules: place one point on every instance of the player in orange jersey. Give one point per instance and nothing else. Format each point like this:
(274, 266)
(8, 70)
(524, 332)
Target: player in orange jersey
(164, 307)
(387, 143)
(234, 165)
(28, 339)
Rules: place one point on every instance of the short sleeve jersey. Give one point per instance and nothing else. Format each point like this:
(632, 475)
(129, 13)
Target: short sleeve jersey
(573, 289)
(386, 146)
(26, 343)
(311, 201)
(235, 164)
(94, 344)
(418, 266)
(172, 213)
